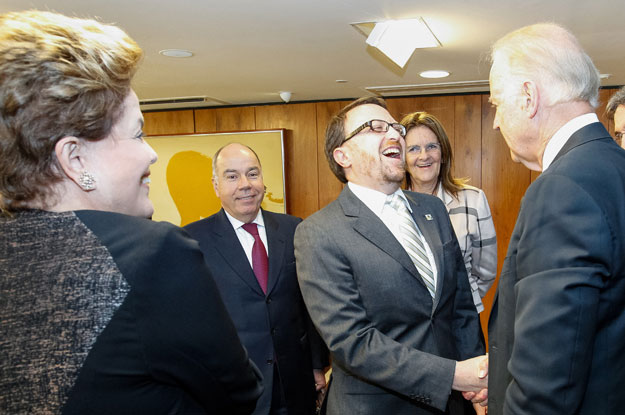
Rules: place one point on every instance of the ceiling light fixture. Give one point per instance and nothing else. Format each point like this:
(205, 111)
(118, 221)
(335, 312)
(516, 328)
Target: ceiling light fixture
(398, 39)
(434, 74)
(285, 96)
(176, 53)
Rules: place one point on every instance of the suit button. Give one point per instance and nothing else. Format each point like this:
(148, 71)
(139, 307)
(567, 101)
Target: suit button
(270, 361)
(273, 332)
(268, 300)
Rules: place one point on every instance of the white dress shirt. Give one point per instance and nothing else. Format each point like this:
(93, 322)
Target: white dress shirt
(375, 201)
(563, 134)
(246, 238)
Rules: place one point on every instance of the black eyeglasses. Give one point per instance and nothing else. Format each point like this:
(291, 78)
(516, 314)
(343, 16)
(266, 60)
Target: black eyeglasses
(378, 126)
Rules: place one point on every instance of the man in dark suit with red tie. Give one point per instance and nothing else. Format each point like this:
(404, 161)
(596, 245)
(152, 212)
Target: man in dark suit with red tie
(250, 253)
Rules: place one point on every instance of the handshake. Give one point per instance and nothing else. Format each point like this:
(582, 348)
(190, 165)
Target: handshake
(471, 378)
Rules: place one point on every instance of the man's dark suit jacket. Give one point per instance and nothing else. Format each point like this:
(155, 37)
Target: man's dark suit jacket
(393, 347)
(557, 328)
(274, 328)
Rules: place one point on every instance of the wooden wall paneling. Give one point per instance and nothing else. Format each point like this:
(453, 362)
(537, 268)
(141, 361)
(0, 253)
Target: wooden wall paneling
(329, 185)
(534, 175)
(467, 148)
(206, 120)
(219, 120)
(168, 122)
(300, 151)
(400, 107)
(442, 107)
(504, 183)
(236, 119)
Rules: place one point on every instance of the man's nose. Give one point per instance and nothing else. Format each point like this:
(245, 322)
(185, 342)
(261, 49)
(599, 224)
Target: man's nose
(243, 181)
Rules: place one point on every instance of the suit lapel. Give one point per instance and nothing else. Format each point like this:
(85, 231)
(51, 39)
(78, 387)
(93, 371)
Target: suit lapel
(277, 244)
(371, 227)
(228, 245)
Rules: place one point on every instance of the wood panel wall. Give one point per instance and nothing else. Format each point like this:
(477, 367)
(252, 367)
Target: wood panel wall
(480, 153)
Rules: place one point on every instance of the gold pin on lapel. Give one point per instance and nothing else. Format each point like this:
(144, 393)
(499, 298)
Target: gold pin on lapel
(428, 216)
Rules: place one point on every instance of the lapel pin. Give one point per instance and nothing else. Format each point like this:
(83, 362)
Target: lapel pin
(428, 216)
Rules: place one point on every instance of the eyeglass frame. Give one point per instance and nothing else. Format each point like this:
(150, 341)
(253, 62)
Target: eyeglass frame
(429, 148)
(395, 125)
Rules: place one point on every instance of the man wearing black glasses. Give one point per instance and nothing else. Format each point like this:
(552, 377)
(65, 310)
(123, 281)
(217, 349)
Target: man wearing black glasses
(384, 281)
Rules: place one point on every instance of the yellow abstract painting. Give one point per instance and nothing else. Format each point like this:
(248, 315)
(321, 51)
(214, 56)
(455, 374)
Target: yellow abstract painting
(181, 188)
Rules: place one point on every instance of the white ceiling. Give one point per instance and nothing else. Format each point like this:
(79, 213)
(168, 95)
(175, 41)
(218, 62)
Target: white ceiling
(247, 51)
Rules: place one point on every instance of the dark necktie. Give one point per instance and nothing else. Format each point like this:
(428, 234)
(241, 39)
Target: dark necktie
(260, 265)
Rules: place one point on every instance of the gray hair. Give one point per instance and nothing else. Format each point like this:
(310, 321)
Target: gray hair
(551, 56)
(617, 99)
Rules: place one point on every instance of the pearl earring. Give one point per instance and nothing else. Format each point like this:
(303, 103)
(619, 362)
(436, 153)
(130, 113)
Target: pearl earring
(87, 181)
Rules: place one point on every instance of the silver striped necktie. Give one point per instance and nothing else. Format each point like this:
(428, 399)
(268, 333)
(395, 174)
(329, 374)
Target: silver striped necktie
(412, 242)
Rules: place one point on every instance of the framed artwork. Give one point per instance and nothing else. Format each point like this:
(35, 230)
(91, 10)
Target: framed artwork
(181, 187)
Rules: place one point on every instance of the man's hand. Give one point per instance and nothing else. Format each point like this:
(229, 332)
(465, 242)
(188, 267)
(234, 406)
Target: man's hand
(320, 386)
(320, 379)
(471, 375)
(476, 366)
(479, 409)
(478, 398)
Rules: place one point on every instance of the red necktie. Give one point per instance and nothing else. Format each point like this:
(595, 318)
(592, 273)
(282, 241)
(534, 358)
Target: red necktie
(260, 265)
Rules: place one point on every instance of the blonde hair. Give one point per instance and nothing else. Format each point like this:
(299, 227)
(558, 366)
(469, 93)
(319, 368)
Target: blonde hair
(60, 76)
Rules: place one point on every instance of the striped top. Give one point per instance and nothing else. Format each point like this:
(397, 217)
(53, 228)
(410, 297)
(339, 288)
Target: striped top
(473, 224)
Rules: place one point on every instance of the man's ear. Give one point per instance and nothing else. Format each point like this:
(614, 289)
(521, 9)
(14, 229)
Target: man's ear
(342, 157)
(69, 154)
(531, 98)
(215, 186)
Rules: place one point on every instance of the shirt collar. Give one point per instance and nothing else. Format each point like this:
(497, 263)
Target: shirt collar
(236, 224)
(559, 139)
(442, 194)
(374, 199)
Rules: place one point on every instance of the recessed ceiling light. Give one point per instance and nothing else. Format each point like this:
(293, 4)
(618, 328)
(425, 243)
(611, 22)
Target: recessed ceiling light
(341, 81)
(434, 74)
(176, 53)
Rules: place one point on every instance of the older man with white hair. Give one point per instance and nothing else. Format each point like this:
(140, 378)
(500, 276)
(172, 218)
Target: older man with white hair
(556, 329)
